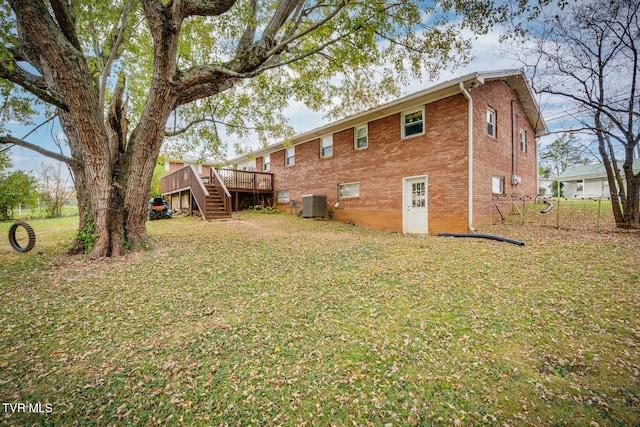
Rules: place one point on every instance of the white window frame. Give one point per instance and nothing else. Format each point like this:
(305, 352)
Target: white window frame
(356, 138)
(348, 190)
(326, 143)
(266, 162)
(291, 162)
(523, 141)
(499, 181)
(492, 119)
(403, 123)
(283, 196)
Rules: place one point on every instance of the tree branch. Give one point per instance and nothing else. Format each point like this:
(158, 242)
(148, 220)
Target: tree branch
(249, 33)
(201, 82)
(282, 13)
(208, 120)
(206, 8)
(115, 42)
(66, 22)
(182, 130)
(204, 89)
(8, 139)
(30, 82)
(286, 42)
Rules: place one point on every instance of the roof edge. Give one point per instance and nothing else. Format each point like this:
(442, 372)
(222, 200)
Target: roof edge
(452, 86)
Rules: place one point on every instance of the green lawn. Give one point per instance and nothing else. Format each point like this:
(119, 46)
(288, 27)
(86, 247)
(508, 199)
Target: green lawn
(276, 320)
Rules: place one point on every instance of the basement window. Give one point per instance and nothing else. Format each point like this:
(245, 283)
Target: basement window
(348, 190)
(283, 196)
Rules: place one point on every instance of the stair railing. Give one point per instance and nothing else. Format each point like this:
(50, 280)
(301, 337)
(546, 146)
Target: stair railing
(186, 179)
(216, 181)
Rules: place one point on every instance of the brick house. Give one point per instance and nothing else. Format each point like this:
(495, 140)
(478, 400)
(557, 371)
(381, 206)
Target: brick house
(420, 164)
(202, 167)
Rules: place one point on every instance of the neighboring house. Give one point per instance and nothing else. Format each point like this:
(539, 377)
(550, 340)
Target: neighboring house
(420, 164)
(589, 180)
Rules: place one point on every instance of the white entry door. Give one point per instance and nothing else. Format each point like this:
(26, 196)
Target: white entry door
(415, 205)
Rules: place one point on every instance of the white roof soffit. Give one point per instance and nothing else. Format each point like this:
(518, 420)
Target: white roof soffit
(514, 77)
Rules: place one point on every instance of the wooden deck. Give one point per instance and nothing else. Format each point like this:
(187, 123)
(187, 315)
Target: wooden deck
(246, 181)
(184, 187)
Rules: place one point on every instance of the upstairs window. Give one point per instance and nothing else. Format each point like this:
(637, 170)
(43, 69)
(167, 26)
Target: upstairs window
(326, 146)
(413, 123)
(361, 137)
(523, 140)
(266, 163)
(290, 156)
(491, 122)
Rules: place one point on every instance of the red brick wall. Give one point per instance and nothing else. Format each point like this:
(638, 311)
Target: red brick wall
(492, 156)
(173, 166)
(441, 153)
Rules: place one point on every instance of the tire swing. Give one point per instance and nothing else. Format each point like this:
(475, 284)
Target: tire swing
(14, 242)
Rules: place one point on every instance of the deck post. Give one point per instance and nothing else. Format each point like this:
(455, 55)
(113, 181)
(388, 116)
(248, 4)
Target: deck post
(237, 201)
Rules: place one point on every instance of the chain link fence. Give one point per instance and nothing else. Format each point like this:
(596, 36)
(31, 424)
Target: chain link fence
(569, 213)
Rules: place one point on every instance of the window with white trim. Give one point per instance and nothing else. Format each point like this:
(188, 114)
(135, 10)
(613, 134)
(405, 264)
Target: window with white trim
(497, 185)
(523, 140)
(349, 189)
(361, 137)
(413, 123)
(266, 162)
(283, 196)
(326, 146)
(290, 156)
(491, 122)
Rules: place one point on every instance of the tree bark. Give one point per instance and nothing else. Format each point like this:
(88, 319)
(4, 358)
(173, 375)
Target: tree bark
(113, 167)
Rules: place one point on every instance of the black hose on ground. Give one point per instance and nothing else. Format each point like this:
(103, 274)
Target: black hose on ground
(483, 236)
(548, 208)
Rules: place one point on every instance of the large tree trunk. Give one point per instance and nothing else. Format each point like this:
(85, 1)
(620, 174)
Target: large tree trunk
(113, 169)
(625, 188)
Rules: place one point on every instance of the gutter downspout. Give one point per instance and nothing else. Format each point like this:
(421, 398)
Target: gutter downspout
(470, 156)
(514, 175)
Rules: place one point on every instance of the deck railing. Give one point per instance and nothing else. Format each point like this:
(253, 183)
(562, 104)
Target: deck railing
(186, 179)
(246, 180)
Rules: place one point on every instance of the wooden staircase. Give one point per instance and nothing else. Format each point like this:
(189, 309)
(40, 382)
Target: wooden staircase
(215, 207)
(211, 195)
